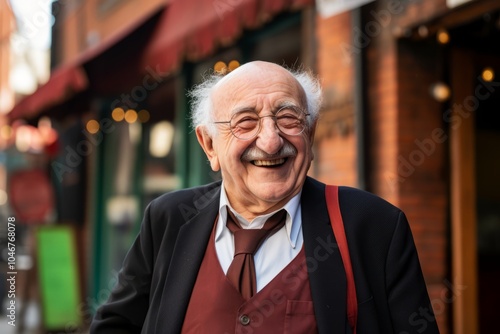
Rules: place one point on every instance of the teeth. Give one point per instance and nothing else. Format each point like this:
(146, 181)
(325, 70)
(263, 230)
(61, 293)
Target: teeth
(268, 162)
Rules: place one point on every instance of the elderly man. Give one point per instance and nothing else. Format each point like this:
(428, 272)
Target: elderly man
(256, 253)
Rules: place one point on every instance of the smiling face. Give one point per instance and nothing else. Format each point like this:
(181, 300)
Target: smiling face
(261, 174)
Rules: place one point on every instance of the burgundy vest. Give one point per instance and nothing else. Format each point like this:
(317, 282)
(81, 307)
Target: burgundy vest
(283, 306)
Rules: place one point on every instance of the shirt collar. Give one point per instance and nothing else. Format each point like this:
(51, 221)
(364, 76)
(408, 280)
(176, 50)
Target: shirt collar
(292, 224)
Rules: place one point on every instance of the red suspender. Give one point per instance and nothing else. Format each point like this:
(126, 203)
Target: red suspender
(332, 201)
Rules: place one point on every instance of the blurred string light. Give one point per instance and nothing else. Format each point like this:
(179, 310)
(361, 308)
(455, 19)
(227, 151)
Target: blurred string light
(221, 68)
(488, 74)
(118, 114)
(233, 64)
(131, 116)
(440, 91)
(443, 37)
(143, 116)
(92, 126)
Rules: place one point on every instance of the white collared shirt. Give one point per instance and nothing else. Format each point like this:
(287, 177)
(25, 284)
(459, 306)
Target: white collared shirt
(275, 253)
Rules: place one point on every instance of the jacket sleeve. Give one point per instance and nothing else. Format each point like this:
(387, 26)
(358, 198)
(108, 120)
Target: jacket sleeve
(409, 304)
(125, 310)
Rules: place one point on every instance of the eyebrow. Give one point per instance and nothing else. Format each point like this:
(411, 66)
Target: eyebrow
(289, 104)
(242, 109)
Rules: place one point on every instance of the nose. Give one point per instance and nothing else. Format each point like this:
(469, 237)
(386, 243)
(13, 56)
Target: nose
(269, 139)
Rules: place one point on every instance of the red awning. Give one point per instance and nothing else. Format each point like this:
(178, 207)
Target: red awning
(64, 82)
(191, 29)
(96, 69)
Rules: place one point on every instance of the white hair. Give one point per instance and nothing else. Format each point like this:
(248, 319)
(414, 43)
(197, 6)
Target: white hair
(202, 104)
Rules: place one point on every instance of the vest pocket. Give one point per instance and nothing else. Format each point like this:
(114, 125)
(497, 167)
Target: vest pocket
(299, 317)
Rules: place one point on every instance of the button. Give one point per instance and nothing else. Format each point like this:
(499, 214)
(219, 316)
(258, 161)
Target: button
(244, 320)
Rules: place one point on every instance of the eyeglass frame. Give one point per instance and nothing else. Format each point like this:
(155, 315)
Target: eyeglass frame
(259, 126)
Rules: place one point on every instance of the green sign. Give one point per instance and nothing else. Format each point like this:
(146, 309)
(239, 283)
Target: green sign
(58, 276)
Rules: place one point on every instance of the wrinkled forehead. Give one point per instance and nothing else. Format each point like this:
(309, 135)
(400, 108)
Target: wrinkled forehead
(256, 85)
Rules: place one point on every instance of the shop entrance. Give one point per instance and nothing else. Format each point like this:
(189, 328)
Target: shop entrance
(487, 160)
(475, 175)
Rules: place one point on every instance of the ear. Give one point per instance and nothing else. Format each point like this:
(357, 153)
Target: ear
(207, 144)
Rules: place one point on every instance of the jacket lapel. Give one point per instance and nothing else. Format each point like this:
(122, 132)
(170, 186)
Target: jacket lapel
(324, 263)
(187, 256)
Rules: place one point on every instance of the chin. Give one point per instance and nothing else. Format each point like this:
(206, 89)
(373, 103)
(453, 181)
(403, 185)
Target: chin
(275, 192)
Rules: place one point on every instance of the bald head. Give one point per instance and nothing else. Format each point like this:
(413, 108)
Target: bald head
(249, 86)
(262, 77)
(253, 72)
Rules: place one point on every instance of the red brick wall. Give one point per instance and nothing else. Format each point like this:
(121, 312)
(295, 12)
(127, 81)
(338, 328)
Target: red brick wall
(335, 141)
(382, 111)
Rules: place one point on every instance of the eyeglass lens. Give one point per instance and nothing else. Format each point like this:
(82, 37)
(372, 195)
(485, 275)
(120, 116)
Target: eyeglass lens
(246, 124)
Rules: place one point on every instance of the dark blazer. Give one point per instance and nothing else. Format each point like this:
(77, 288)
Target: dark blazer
(154, 286)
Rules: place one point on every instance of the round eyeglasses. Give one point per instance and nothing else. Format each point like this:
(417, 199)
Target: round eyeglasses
(246, 124)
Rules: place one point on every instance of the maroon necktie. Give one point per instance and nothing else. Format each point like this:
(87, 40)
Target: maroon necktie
(241, 272)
